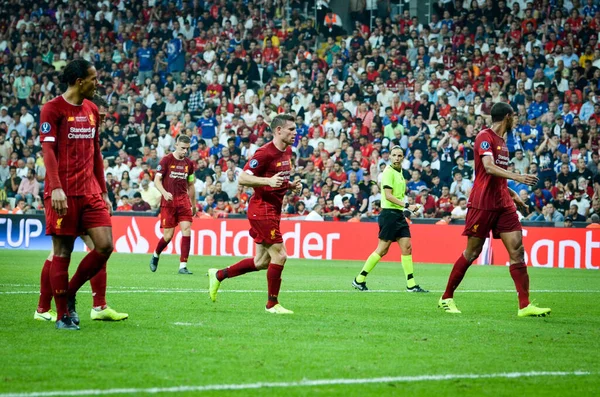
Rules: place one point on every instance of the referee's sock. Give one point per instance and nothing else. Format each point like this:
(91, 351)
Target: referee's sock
(369, 265)
(407, 265)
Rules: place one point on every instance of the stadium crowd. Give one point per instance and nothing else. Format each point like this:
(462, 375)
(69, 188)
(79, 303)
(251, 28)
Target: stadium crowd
(220, 70)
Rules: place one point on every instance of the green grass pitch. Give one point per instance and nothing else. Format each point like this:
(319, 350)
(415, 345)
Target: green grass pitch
(177, 338)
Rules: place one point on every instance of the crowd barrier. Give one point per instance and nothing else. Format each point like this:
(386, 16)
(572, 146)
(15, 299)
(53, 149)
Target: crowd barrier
(544, 247)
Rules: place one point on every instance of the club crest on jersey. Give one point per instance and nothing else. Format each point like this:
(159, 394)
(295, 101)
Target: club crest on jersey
(485, 145)
(45, 128)
(92, 120)
(253, 163)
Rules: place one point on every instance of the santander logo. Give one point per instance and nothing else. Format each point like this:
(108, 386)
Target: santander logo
(132, 241)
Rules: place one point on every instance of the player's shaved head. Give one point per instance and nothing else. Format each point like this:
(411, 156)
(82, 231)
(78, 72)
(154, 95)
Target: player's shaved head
(500, 110)
(77, 69)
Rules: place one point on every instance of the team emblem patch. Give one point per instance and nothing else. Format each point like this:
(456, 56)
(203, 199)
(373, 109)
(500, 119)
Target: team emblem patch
(45, 128)
(485, 145)
(273, 234)
(253, 163)
(92, 120)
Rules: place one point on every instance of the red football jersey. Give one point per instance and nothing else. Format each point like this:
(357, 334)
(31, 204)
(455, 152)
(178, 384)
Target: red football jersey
(490, 192)
(175, 174)
(74, 131)
(267, 161)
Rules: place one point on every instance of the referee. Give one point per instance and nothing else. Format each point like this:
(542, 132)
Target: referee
(392, 224)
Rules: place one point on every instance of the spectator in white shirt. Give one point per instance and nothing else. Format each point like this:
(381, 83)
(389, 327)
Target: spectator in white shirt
(460, 211)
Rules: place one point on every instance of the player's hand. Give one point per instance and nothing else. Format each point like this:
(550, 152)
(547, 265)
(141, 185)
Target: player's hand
(59, 202)
(109, 206)
(521, 205)
(529, 179)
(168, 196)
(296, 187)
(276, 180)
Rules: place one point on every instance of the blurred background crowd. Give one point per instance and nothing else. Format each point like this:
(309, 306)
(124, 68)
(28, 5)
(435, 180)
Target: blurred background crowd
(220, 70)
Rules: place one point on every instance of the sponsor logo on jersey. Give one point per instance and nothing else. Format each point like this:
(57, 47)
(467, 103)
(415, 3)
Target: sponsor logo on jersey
(71, 119)
(81, 119)
(45, 128)
(172, 167)
(253, 163)
(499, 148)
(485, 145)
(279, 164)
(81, 133)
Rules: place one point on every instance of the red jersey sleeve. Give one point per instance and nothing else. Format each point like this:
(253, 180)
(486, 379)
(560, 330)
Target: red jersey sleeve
(50, 119)
(163, 167)
(258, 164)
(484, 145)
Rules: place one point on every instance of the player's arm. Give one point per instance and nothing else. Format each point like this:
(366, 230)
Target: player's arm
(99, 170)
(192, 193)
(159, 186)
(494, 170)
(250, 180)
(49, 120)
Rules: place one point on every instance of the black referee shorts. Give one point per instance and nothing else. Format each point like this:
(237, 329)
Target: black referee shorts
(392, 225)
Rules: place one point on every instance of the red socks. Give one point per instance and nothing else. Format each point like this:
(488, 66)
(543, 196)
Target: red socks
(518, 272)
(98, 283)
(162, 244)
(59, 280)
(274, 283)
(242, 267)
(45, 289)
(185, 248)
(458, 272)
(88, 268)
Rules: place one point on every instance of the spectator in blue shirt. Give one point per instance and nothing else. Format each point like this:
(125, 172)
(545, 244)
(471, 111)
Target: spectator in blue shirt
(540, 197)
(530, 135)
(208, 124)
(537, 108)
(145, 57)
(216, 147)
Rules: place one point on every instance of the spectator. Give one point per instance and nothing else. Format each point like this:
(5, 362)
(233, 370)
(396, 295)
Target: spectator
(124, 203)
(446, 218)
(139, 204)
(149, 195)
(460, 211)
(29, 188)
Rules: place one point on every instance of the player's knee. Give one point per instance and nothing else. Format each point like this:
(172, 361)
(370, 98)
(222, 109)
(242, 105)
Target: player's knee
(471, 255)
(261, 263)
(518, 254)
(106, 248)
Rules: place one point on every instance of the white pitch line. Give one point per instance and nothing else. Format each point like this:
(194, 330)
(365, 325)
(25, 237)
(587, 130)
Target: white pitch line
(325, 291)
(188, 324)
(302, 383)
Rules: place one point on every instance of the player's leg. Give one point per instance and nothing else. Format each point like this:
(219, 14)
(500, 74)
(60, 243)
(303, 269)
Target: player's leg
(186, 230)
(407, 265)
(100, 309)
(278, 256)
(59, 279)
(462, 264)
(513, 241)
(168, 233)
(246, 265)
(44, 310)
(382, 249)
